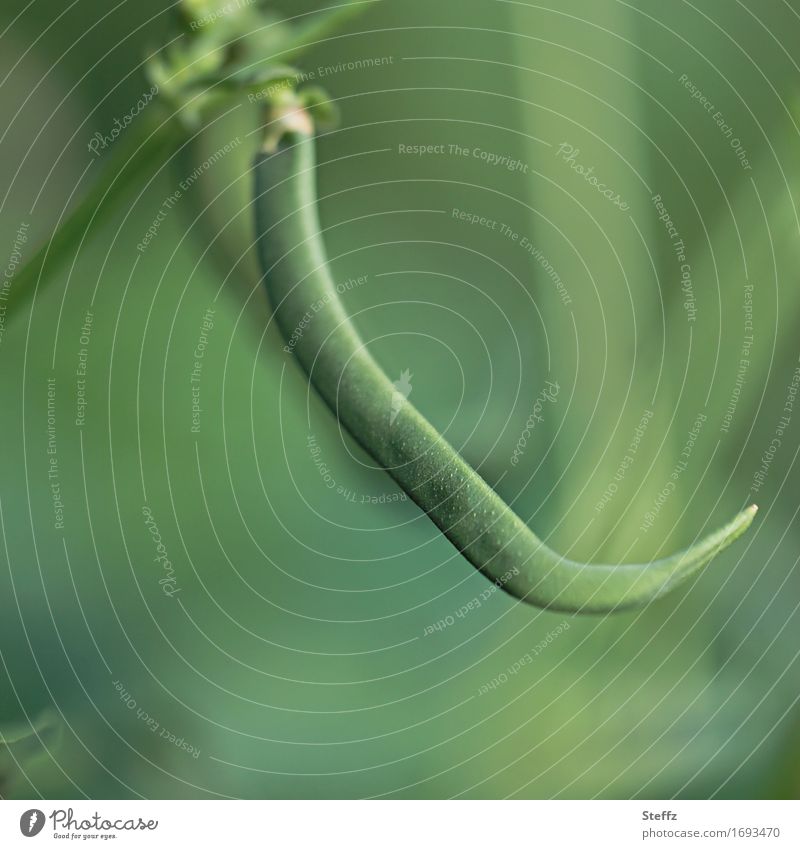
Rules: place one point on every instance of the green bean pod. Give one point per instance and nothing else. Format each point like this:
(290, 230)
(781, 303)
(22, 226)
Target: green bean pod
(459, 502)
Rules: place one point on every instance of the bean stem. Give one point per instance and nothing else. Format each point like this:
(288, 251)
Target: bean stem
(147, 147)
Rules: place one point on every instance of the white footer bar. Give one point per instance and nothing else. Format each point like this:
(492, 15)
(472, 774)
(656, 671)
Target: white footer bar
(400, 824)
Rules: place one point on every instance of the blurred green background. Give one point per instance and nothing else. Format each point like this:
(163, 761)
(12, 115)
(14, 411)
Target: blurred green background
(299, 657)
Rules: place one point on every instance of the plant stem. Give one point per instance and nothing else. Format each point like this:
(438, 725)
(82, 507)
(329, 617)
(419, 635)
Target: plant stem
(130, 165)
(325, 23)
(145, 148)
(470, 514)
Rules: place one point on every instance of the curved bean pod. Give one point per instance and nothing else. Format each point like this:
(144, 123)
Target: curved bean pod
(467, 511)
